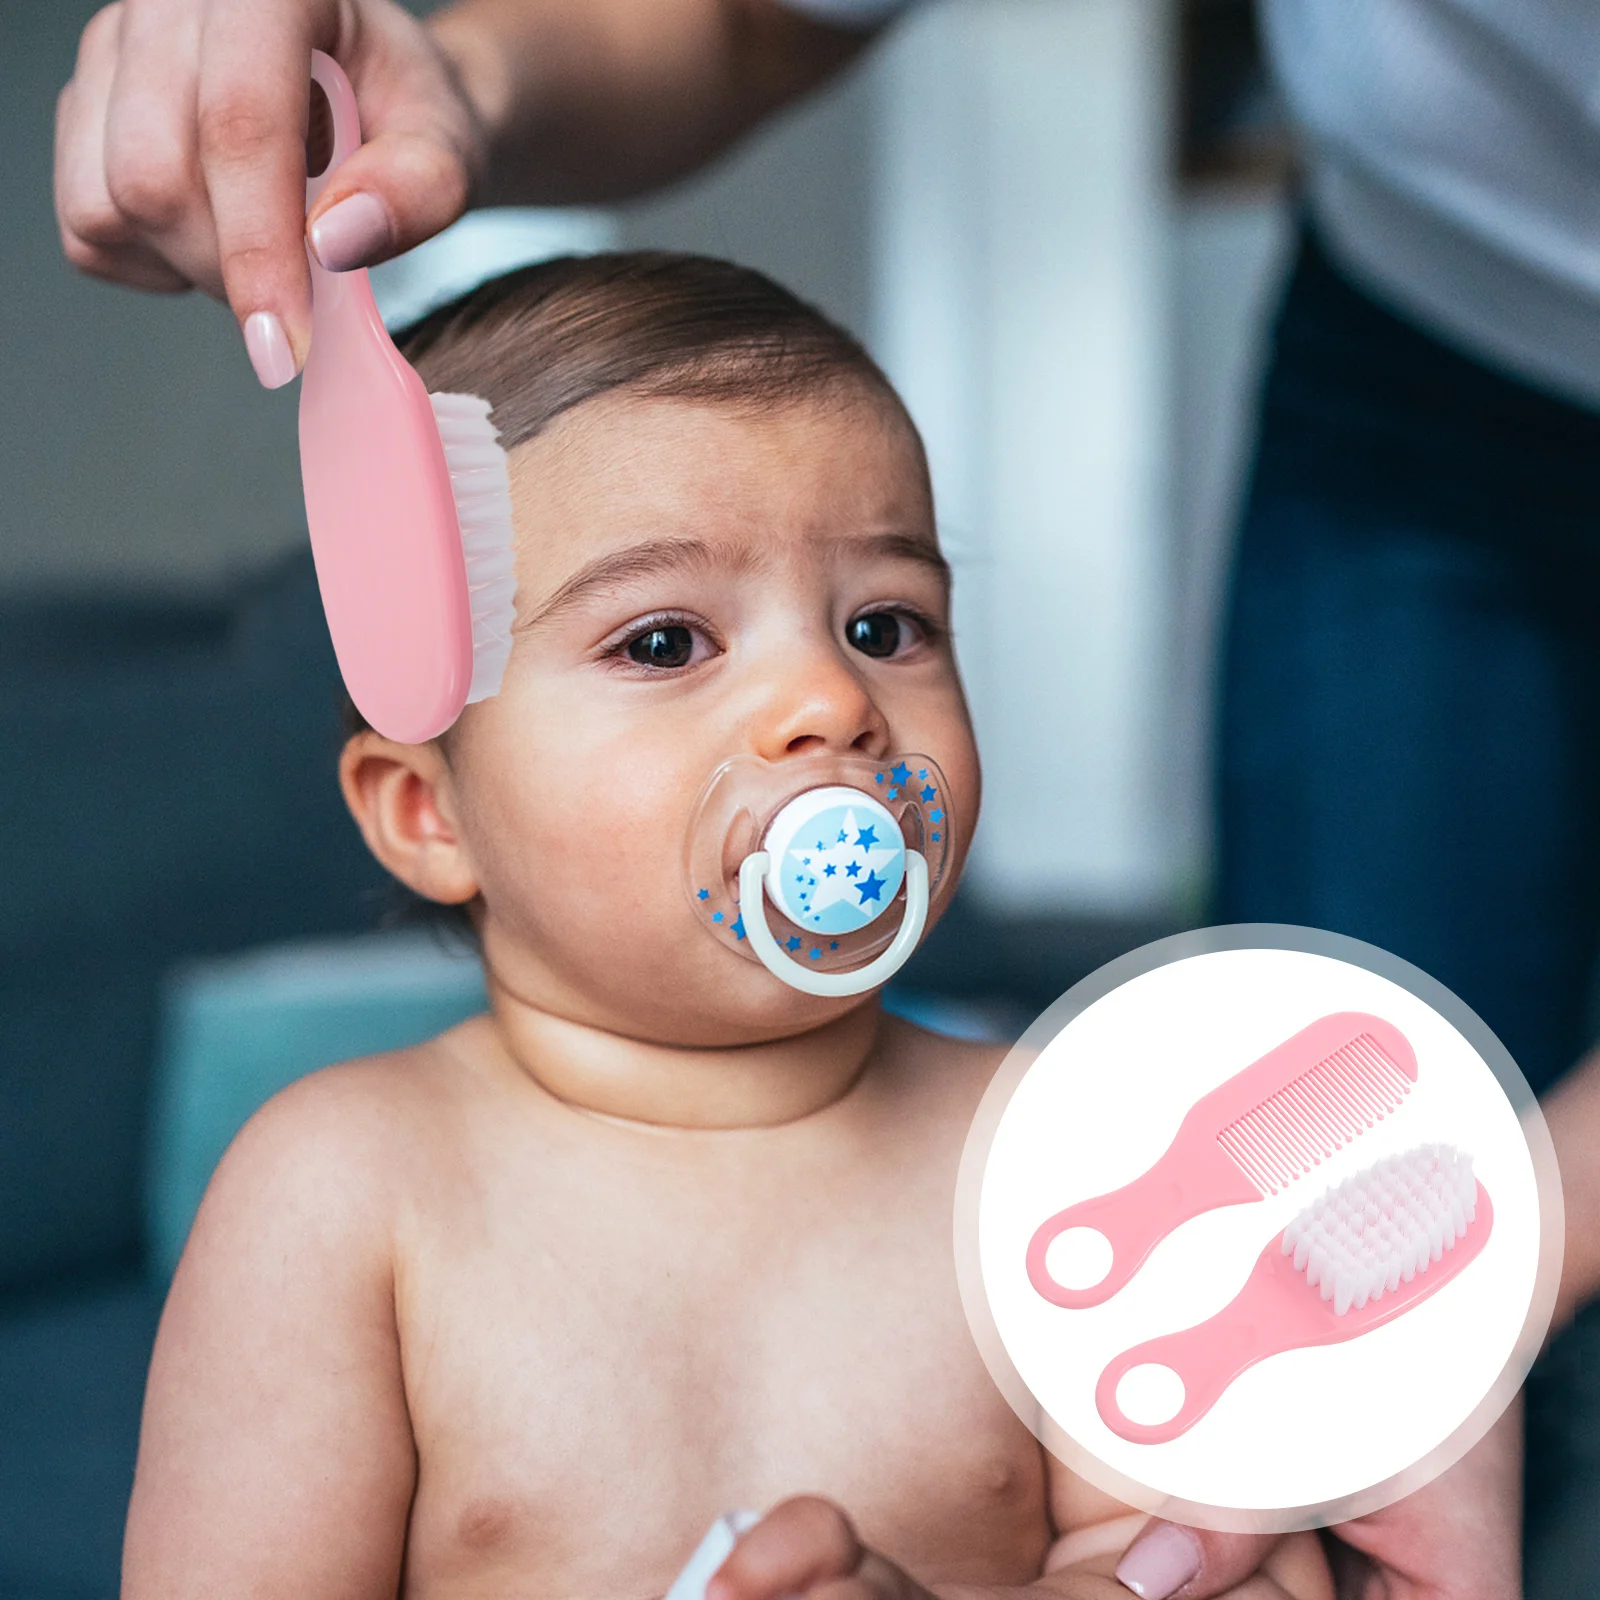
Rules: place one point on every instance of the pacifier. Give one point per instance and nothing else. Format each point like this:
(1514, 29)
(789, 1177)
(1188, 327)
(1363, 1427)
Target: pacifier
(822, 869)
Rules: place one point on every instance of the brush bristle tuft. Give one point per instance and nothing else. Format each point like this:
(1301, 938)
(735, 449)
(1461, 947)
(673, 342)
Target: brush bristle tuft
(483, 507)
(1379, 1229)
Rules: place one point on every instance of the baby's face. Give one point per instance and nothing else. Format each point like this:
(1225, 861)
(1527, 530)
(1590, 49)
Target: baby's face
(696, 582)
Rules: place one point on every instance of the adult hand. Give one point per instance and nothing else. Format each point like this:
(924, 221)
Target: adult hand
(1457, 1538)
(1168, 1559)
(180, 153)
(808, 1546)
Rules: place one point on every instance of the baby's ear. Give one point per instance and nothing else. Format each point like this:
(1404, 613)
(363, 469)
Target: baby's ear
(404, 803)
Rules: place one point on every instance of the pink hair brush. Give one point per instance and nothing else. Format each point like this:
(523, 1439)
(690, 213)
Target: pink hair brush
(1364, 1254)
(1249, 1137)
(407, 499)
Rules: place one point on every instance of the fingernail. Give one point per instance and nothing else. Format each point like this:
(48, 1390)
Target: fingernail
(269, 349)
(1160, 1562)
(351, 233)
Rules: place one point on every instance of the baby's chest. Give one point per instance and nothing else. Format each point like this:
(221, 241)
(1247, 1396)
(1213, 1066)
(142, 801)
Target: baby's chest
(585, 1402)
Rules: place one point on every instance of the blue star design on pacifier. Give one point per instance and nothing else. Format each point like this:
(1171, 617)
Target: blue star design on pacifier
(845, 884)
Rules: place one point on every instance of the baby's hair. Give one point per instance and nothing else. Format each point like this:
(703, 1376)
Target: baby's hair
(544, 338)
(540, 340)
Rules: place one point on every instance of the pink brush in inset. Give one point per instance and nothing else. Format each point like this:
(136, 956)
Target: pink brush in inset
(407, 499)
(1364, 1254)
(1249, 1137)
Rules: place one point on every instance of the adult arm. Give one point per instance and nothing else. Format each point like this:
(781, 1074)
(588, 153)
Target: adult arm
(180, 137)
(1572, 1111)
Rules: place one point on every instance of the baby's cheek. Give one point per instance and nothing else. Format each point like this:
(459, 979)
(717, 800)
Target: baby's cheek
(585, 863)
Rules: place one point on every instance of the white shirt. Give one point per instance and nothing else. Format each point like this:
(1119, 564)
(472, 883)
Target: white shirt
(1454, 153)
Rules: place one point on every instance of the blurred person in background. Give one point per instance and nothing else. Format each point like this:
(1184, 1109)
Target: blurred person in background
(1410, 718)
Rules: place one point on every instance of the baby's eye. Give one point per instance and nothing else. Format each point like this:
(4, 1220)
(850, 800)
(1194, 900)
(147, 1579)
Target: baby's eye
(667, 645)
(882, 633)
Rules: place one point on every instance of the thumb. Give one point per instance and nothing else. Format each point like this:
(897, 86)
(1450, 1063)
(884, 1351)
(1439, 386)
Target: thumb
(401, 187)
(423, 149)
(1169, 1559)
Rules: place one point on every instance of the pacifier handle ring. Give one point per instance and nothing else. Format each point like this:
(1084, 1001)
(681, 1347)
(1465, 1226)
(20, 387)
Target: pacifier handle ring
(830, 985)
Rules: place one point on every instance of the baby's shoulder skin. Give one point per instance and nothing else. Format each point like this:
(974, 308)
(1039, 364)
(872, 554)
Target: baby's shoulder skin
(339, 1142)
(279, 1346)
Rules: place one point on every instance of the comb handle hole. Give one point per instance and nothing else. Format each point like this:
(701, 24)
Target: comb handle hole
(1078, 1258)
(1150, 1394)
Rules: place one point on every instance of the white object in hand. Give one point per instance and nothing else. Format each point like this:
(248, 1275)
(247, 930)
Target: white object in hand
(712, 1551)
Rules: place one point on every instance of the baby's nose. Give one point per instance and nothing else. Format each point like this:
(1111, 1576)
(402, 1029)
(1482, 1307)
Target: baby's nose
(821, 705)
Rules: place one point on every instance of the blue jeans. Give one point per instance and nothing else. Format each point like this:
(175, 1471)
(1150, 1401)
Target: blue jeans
(1410, 729)
(1410, 725)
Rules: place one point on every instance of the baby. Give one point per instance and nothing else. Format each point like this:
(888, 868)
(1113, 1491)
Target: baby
(520, 1311)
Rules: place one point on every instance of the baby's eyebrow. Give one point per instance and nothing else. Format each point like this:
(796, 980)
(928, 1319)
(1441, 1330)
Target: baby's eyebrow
(660, 556)
(627, 566)
(916, 547)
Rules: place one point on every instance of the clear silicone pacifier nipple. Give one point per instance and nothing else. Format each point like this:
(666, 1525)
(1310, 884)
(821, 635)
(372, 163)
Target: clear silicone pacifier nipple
(826, 882)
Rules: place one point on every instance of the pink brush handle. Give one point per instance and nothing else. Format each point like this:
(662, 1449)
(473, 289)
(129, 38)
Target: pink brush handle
(380, 503)
(1276, 1310)
(1194, 1175)
(339, 299)
(1207, 1358)
(329, 76)
(337, 296)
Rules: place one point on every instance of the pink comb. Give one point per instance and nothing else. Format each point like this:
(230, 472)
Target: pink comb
(1249, 1137)
(1366, 1253)
(407, 500)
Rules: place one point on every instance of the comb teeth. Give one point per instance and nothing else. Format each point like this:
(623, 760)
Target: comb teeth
(1314, 1115)
(1379, 1229)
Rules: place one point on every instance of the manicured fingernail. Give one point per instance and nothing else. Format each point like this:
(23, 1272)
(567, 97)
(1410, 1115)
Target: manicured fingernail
(269, 349)
(351, 233)
(1160, 1562)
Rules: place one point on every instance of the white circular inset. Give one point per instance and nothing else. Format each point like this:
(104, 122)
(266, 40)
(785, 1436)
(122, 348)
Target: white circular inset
(1150, 1393)
(838, 859)
(1079, 1258)
(1259, 1409)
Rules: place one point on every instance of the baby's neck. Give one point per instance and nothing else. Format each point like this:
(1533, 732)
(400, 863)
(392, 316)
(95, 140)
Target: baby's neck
(678, 1086)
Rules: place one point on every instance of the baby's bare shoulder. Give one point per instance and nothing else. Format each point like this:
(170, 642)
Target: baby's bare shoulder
(343, 1142)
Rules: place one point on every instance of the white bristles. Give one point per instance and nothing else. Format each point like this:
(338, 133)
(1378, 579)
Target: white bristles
(1379, 1229)
(483, 507)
